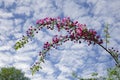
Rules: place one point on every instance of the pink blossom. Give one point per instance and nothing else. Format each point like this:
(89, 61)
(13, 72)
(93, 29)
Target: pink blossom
(41, 21)
(79, 31)
(47, 45)
(55, 40)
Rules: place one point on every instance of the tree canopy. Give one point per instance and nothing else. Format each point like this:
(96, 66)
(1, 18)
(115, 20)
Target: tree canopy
(11, 73)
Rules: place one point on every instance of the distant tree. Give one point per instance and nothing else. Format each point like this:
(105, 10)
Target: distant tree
(10, 73)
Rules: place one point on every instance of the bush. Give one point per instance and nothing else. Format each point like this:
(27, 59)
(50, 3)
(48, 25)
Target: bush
(10, 73)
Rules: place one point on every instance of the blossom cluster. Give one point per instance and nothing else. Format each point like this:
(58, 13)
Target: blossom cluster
(115, 54)
(76, 32)
(74, 29)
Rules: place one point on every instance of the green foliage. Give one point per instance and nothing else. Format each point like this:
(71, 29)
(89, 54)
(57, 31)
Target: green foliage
(114, 73)
(35, 69)
(21, 43)
(79, 78)
(11, 73)
(107, 35)
(74, 75)
(94, 74)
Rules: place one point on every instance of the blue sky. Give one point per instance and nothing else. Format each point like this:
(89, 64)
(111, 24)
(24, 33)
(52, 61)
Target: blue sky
(17, 15)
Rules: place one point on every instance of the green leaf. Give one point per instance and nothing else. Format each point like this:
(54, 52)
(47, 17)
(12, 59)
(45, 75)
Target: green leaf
(105, 31)
(108, 36)
(94, 74)
(74, 74)
(33, 71)
(42, 60)
(32, 35)
(17, 45)
(40, 67)
(107, 41)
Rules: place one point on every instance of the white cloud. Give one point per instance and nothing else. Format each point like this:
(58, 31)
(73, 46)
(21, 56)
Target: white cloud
(73, 10)
(96, 25)
(48, 70)
(5, 25)
(22, 65)
(23, 10)
(101, 69)
(4, 14)
(8, 3)
(116, 31)
(22, 58)
(23, 2)
(5, 48)
(18, 21)
(92, 1)
(78, 46)
(63, 76)
(6, 59)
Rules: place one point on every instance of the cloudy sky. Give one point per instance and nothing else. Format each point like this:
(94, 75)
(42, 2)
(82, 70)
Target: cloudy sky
(17, 15)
